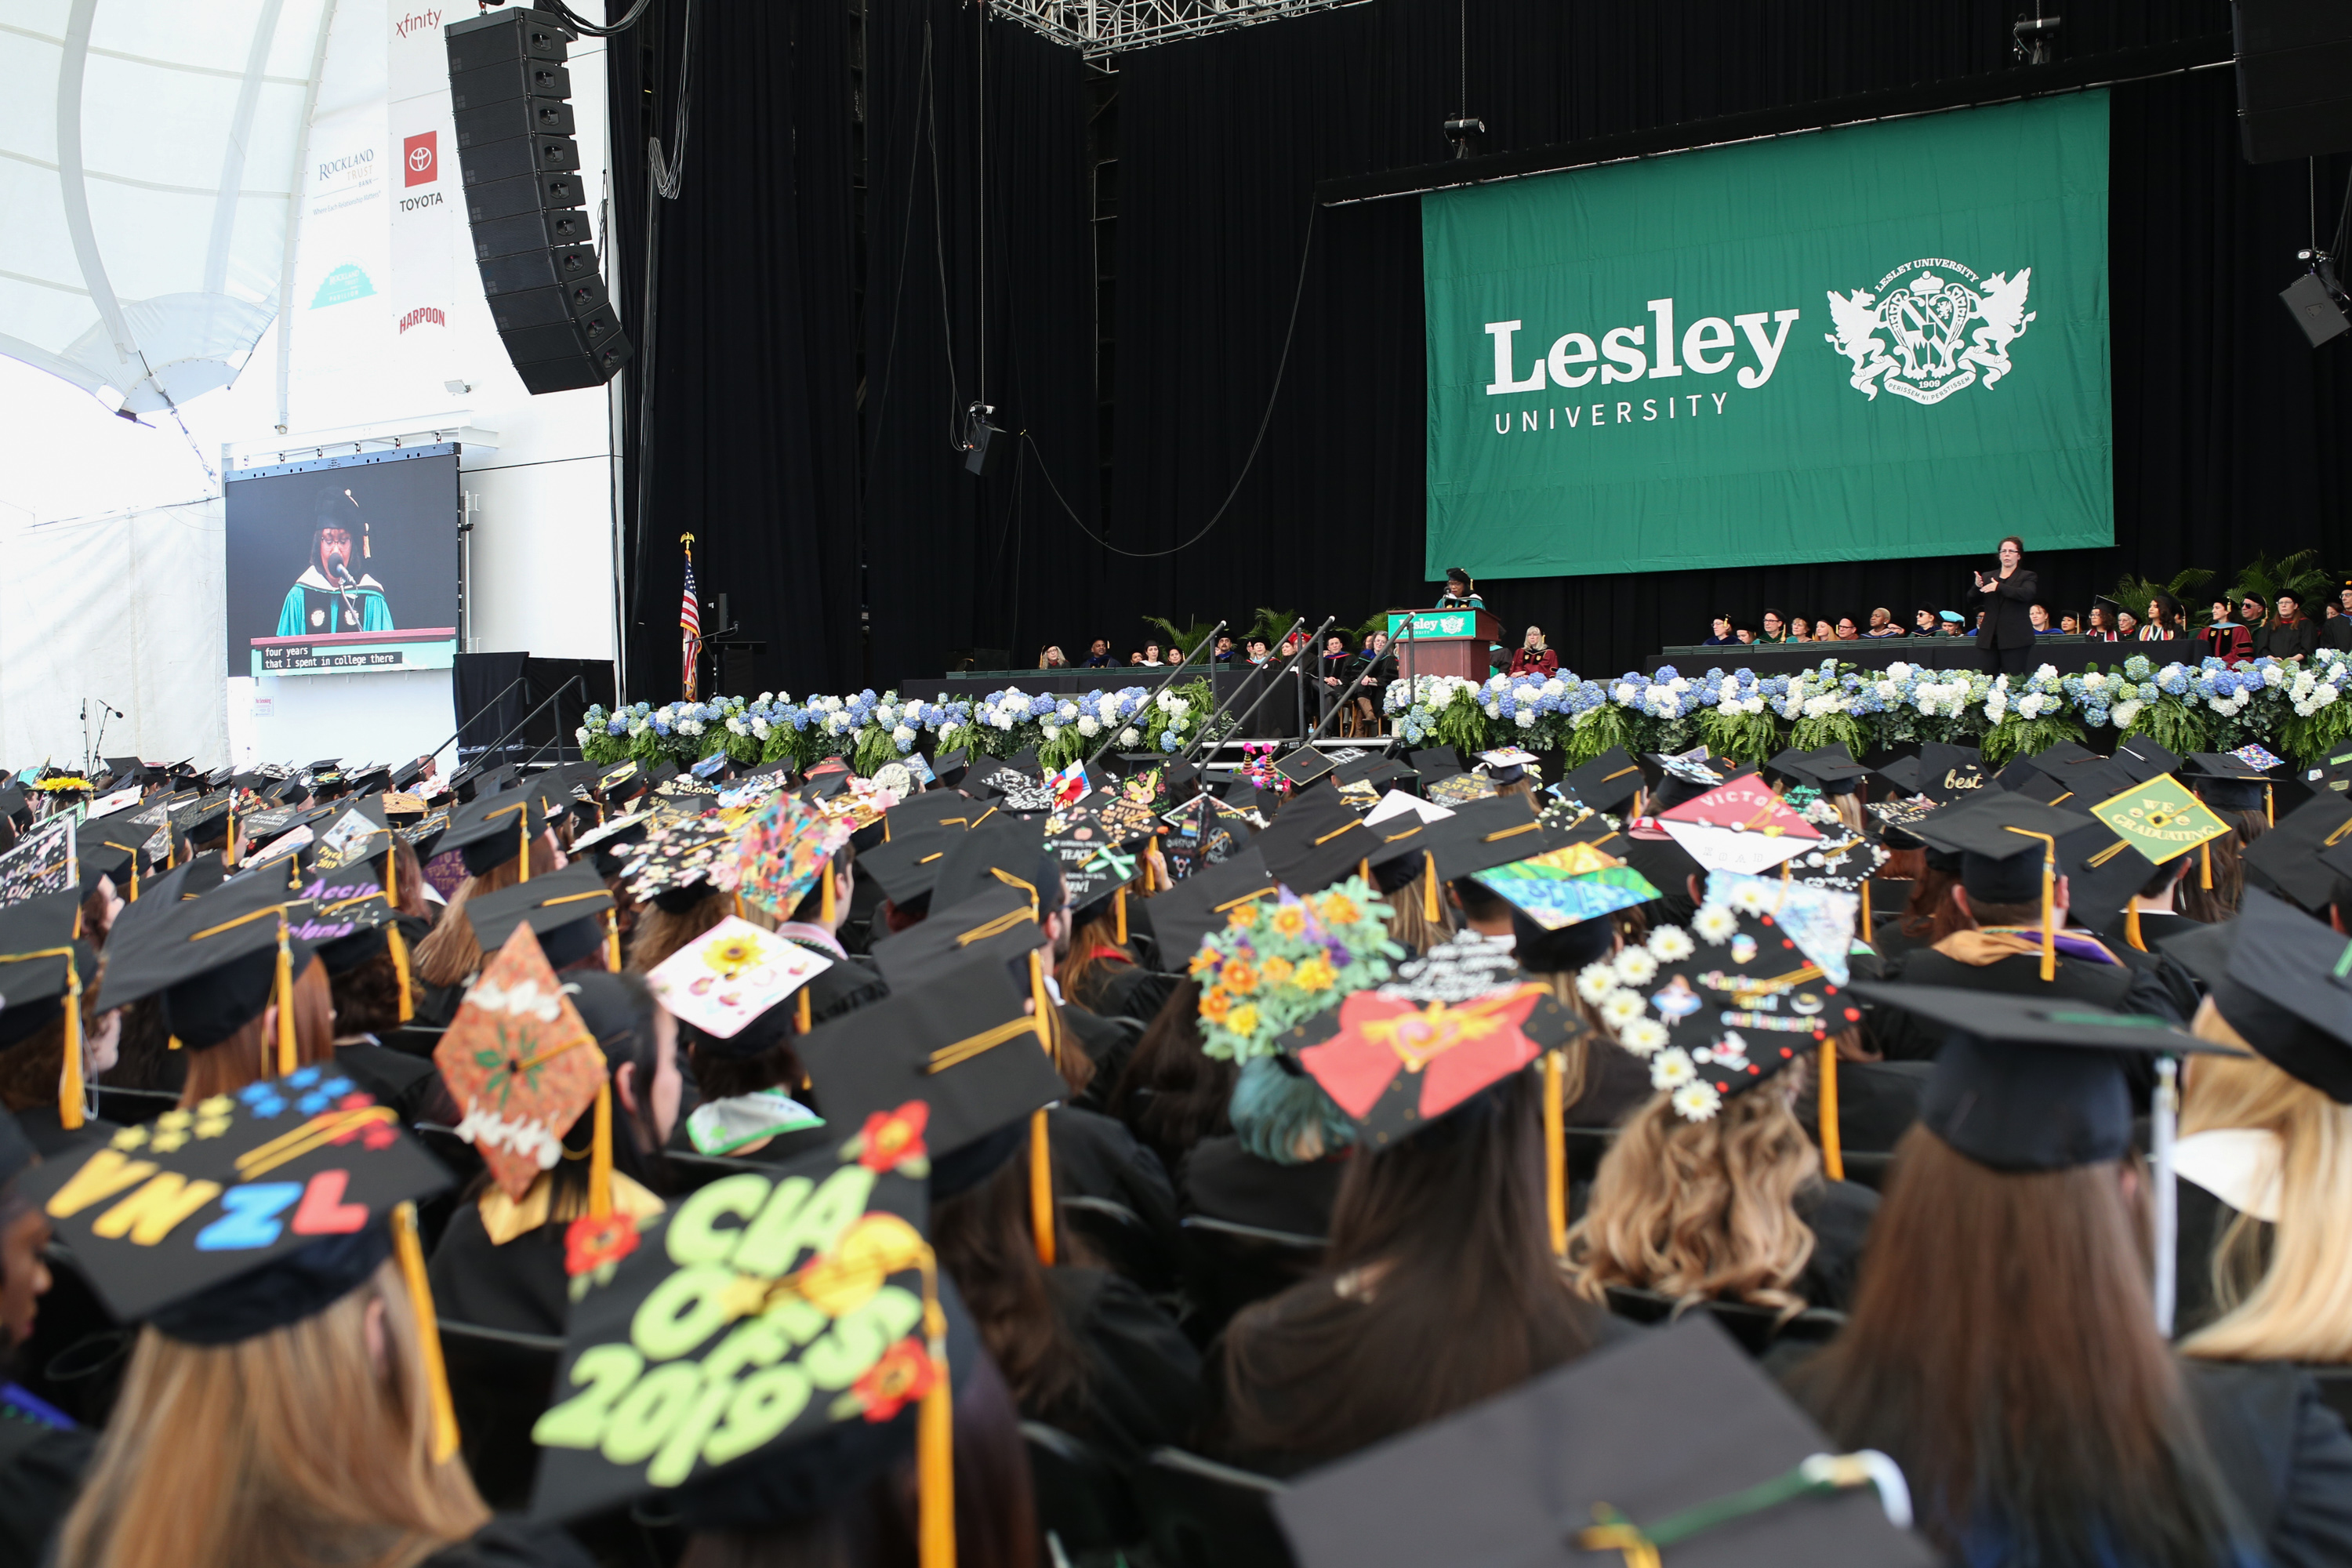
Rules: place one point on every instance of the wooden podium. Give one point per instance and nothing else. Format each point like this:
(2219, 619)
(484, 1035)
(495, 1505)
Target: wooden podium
(1444, 642)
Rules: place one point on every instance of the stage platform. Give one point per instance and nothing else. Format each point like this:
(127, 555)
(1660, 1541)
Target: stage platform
(2070, 654)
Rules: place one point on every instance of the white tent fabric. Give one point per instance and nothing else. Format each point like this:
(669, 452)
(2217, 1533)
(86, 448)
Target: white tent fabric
(131, 611)
(139, 263)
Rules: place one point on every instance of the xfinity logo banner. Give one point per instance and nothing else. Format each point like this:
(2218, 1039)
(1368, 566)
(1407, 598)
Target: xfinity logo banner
(1678, 363)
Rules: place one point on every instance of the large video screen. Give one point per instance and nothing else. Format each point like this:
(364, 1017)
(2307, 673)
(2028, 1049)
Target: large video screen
(1881, 341)
(345, 565)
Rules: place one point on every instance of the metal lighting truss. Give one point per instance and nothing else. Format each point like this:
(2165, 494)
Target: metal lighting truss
(1098, 28)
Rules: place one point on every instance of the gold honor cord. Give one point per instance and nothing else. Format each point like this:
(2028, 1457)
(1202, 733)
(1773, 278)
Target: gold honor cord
(1555, 1152)
(1833, 1144)
(69, 1083)
(1118, 915)
(1430, 910)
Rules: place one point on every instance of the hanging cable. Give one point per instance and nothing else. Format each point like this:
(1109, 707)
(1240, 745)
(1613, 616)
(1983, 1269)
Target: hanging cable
(665, 180)
(580, 24)
(1281, 364)
(669, 176)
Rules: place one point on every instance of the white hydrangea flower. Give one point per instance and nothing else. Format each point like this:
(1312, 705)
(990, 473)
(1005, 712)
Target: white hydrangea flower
(1625, 693)
(1754, 705)
(903, 734)
(1089, 726)
(1636, 966)
(1642, 1036)
(1128, 736)
(2124, 712)
(1052, 729)
(1899, 671)
(1671, 944)
(1620, 1008)
(1594, 982)
(2047, 672)
(1671, 1068)
(1715, 923)
(1527, 717)
(1696, 1101)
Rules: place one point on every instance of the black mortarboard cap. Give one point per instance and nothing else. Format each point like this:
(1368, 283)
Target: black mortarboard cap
(1677, 1424)
(1993, 839)
(33, 989)
(2102, 872)
(565, 910)
(493, 829)
(2225, 782)
(2292, 857)
(949, 767)
(994, 921)
(1833, 769)
(243, 1213)
(1483, 834)
(1902, 776)
(1000, 851)
(2142, 759)
(1304, 766)
(908, 866)
(2032, 1083)
(2278, 977)
(105, 849)
(1316, 841)
(1948, 773)
(961, 1046)
(1607, 783)
(934, 808)
(214, 959)
(1183, 916)
(1437, 762)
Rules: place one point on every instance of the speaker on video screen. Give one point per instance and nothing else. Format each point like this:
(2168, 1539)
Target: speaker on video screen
(2294, 78)
(526, 202)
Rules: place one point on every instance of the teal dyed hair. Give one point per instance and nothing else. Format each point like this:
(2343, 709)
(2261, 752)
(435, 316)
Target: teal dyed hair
(1274, 1112)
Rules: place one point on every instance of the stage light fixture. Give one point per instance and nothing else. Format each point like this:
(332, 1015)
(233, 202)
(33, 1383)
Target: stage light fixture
(2317, 300)
(1460, 132)
(2034, 40)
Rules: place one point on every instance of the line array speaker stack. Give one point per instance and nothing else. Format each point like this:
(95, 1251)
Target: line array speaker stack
(526, 202)
(2294, 78)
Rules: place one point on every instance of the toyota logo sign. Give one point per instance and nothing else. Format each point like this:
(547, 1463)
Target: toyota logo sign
(419, 152)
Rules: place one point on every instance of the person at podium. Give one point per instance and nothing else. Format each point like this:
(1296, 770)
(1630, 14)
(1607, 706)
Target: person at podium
(1460, 594)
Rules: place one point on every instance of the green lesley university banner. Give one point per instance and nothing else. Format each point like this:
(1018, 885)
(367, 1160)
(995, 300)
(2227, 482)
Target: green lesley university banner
(1884, 341)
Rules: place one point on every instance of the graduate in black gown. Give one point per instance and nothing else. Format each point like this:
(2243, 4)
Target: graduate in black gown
(43, 969)
(1281, 1166)
(43, 1452)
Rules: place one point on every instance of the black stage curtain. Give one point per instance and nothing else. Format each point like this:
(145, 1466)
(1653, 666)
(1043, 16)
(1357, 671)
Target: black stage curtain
(754, 359)
(955, 562)
(2229, 429)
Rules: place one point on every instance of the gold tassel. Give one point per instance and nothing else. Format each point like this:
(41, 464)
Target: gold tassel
(2269, 820)
(1364, 869)
(2205, 869)
(1867, 924)
(803, 1016)
(522, 840)
(399, 945)
(428, 1331)
(134, 876)
(2131, 927)
(286, 1060)
(1555, 1153)
(1833, 1152)
(600, 1156)
(935, 1440)
(228, 855)
(172, 1043)
(2049, 916)
(612, 940)
(1041, 1188)
(392, 872)
(69, 1070)
(1118, 909)
(825, 907)
(1429, 911)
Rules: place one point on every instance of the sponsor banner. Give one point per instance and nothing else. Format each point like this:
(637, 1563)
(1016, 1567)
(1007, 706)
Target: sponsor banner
(425, 202)
(342, 266)
(1884, 341)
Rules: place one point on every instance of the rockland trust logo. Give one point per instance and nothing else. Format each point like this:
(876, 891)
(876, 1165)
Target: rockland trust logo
(1924, 317)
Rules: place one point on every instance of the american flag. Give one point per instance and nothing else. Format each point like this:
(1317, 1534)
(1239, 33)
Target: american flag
(689, 625)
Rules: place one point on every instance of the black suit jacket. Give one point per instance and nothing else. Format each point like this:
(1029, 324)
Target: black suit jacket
(2009, 621)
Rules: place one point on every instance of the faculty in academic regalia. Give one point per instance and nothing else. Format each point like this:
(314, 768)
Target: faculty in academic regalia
(327, 599)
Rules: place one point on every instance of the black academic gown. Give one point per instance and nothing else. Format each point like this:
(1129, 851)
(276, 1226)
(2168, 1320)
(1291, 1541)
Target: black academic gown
(1616, 1082)
(2284, 1455)
(1905, 1036)
(410, 1085)
(1142, 1388)
(41, 1468)
(521, 1287)
(1840, 1214)
(1118, 990)
(1108, 1046)
(1221, 1180)
(1097, 1157)
(1877, 1103)
(2202, 1220)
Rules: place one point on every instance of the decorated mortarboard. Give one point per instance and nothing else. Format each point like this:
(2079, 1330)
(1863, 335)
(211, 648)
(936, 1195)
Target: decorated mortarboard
(1738, 826)
(685, 787)
(493, 829)
(616, 833)
(1562, 888)
(1441, 1029)
(1304, 766)
(109, 804)
(1948, 773)
(1316, 841)
(245, 1213)
(2161, 819)
(2292, 857)
(1017, 780)
(1199, 835)
(1670, 1448)
(522, 1064)
(732, 975)
(908, 866)
(1353, 764)
(787, 850)
(1508, 765)
(1843, 859)
(1459, 789)
(46, 860)
(682, 858)
(2256, 755)
(1900, 816)
(1097, 860)
(1608, 783)
(357, 831)
(1437, 762)
(1278, 959)
(569, 910)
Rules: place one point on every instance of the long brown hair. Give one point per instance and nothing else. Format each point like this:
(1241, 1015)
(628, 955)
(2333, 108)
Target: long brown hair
(661, 932)
(1077, 970)
(1702, 1210)
(1439, 1290)
(1174, 1094)
(2218, 902)
(292, 1449)
(449, 953)
(250, 1054)
(2002, 1348)
(986, 1245)
(1931, 916)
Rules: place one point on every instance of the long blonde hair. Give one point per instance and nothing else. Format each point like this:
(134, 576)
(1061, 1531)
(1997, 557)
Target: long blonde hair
(450, 954)
(2300, 1307)
(290, 1448)
(1702, 1210)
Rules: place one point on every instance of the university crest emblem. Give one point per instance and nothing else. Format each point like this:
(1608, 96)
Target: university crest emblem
(1930, 327)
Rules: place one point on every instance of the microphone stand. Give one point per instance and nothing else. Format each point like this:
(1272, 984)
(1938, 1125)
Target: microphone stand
(1209, 723)
(1209, 643)
(1289, 666)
